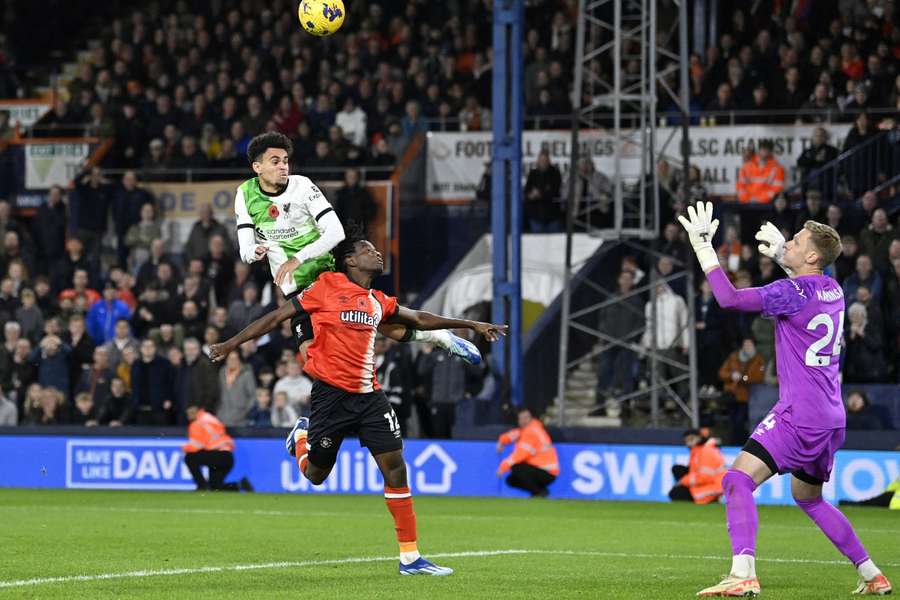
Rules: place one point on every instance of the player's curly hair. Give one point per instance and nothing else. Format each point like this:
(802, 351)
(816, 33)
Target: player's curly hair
(264, 141)
(353, 234)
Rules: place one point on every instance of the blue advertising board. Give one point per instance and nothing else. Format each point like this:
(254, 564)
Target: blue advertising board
(440, 467)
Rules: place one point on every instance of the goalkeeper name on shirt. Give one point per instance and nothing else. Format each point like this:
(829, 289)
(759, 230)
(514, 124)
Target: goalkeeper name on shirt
(286, 223)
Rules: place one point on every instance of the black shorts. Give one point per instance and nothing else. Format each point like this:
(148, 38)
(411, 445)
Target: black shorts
(336, 413)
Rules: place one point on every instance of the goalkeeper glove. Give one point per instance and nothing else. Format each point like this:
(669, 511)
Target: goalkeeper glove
(701, 228)
(772, 245)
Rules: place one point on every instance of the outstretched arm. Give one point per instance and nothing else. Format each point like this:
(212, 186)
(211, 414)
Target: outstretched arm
(745, 300)
(426, 321)
(254, 330)
(701, 228)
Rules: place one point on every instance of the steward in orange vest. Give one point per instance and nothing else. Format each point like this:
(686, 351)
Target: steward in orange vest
(533, 465)
(761, 178)
(701, 481)
(210, 446)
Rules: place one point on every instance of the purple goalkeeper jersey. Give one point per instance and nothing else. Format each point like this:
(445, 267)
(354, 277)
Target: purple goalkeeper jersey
(809, 327)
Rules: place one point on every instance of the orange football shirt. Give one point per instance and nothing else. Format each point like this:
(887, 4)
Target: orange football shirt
(345, 318)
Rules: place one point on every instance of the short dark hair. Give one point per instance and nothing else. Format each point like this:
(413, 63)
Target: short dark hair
(354, 234)
(767, 144)
(264, 141)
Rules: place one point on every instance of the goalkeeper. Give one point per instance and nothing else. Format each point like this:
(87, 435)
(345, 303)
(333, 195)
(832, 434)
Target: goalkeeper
(287, 219)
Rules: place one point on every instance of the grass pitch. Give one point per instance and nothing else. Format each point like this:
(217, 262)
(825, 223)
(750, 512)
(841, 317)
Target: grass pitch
(104, 544)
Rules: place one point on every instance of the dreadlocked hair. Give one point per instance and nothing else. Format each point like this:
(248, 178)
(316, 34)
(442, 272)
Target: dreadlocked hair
(353, 234)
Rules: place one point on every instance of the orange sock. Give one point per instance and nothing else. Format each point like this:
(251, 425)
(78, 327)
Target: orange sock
(399, 502)
(301, 451)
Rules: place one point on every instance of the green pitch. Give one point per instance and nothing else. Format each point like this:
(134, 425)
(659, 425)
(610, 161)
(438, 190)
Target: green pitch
(86, 544)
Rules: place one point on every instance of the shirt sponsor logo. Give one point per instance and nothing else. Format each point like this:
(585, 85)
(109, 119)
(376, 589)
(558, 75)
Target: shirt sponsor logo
(279, 233)
(359, 317)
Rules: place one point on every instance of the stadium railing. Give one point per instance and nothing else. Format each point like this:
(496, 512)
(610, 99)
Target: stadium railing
(854, 172)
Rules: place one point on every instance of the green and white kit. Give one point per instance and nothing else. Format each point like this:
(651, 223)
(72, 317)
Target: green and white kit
(286, 223)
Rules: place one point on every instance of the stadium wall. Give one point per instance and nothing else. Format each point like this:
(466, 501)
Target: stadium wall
(451, 468)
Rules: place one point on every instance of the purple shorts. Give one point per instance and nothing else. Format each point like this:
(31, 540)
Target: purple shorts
(799, 448)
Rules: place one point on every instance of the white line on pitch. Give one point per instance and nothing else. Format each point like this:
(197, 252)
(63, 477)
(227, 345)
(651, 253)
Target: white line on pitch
(370, 559)
(363, 514)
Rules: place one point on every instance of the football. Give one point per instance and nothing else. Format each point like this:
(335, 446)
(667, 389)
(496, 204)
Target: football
(321, 17)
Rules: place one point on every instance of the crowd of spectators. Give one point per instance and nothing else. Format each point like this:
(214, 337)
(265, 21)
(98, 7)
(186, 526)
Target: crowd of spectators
(812, 62)
(125, 340)
(187, 87)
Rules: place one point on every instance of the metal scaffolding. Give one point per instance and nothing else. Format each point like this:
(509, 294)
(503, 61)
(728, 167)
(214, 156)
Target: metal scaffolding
(628, 62)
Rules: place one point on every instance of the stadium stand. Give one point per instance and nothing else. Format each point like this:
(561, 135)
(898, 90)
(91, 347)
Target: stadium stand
(180, 92)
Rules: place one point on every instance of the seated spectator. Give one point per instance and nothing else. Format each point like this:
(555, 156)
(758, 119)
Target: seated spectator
(104, 314)
(813, 210)
(473, 117)
(282, 413)
(49, 408)
(9, 412)
(729, 250)
(297, 386)
(819, 154)
(352, 121)
(618, 364)
(80, 294)
(116, 407)
(85, 412)
(127, 203)
(52, 360)
(864, 360)
(261, 415)
(864, 275)
(700, 481)
(29, 316)
(121, 339)
(820, 106)
(542, 194)
(533, 464)
(141, 235)
(152, 391)
(741, 369)
(237, 391)
(95, 380)
(246, 310)
(353, 202)
(761, 177)
(875, 240)
(203, 228)
(210, 446)
(860, 416)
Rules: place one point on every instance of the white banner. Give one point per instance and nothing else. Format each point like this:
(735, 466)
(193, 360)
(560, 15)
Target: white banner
(24, 113)
(457, 161)
(53, 164)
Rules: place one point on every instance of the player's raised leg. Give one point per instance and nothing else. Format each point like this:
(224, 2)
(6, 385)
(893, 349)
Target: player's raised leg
(807, 493)
(744, 476)
(399, 502)
(441, 338)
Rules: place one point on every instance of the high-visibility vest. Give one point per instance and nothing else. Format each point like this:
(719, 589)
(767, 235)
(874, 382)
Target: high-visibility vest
(533, 447)
(705, 472)
(207, 432)
(760, 181)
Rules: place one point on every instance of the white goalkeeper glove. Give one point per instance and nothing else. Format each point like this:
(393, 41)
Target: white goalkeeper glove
(701, 228)
(772, 245)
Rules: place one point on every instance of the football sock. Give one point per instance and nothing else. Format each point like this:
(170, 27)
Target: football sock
(837, 528)
(867, 570)
(743, 521)
(399, 502)
(301, 452)
(440, 338)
